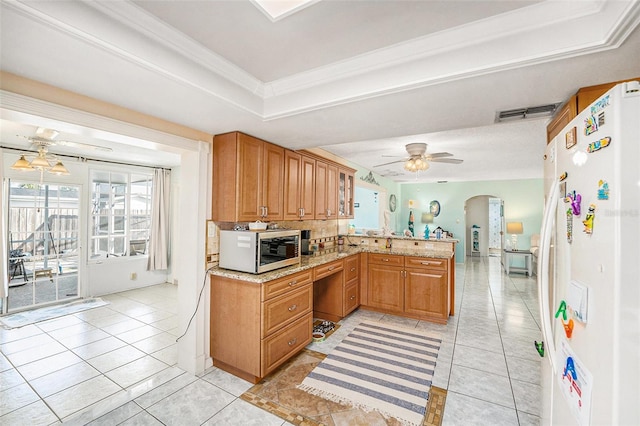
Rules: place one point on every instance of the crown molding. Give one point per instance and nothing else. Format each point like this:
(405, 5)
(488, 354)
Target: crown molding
(20, 108)
(549, 30)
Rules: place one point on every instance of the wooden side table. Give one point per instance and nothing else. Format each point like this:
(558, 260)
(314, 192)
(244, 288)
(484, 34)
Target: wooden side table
(515, 253)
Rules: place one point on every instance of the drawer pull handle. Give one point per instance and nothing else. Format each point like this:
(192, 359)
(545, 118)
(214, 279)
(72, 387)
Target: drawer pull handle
(293, 341)
(331, 268)
(293, 308)
(385, 260)
(292, 283)
(353, 269)
(352, 297)
(426, 263)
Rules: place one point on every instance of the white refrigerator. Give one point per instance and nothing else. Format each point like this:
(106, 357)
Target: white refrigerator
(589, 266)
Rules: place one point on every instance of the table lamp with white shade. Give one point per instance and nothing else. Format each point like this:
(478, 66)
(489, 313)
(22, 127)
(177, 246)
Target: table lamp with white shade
(514, 228)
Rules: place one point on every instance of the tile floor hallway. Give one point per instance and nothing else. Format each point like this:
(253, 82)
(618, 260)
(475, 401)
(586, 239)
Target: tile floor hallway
(117, 364)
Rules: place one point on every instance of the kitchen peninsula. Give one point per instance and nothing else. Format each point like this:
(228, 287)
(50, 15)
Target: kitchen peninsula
(260, 321)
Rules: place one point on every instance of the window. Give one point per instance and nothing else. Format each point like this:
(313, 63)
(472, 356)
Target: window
(120, 214)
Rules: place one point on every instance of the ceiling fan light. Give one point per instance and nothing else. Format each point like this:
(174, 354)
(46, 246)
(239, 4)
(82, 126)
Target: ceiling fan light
(59, 169)
(22, 164)
(40, 162)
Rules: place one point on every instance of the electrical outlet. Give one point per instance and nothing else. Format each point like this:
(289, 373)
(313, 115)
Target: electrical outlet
(134, 276)
(428, 246)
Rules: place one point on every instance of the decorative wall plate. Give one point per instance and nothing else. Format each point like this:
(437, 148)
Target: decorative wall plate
(434, 208)
(392, 203)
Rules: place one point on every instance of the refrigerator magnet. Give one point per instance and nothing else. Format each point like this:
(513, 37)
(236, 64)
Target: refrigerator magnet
(563, 176)
(569, 226)
(590, 125)
(603, 190)
(598, 145)
(575, 200)
(570, 138)
(588, 221)
(568, 328)
(600, 105)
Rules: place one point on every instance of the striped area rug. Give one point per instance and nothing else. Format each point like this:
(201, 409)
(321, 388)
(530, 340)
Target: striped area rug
(379, 367)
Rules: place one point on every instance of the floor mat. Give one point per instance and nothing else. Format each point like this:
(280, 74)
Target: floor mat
(379, 367)
(21, 319)
(278, 394)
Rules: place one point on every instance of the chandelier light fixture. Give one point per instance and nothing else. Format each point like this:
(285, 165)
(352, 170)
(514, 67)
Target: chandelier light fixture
(416, 163)
(42, 161)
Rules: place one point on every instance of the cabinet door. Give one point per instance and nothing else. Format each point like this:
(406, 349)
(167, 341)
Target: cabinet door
(292, 181)
(386, 287)
(352, 268)
(321, 190)
(308, 187)
(351, 297)
(272, 181)
(249, 176)
(332, 191)
(345, 193)
(426, 293)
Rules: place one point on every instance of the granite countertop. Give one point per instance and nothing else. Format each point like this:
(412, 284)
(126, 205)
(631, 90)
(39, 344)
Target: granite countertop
(308, 262)
(402, 237)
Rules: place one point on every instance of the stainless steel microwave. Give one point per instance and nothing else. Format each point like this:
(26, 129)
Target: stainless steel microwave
(259, 251)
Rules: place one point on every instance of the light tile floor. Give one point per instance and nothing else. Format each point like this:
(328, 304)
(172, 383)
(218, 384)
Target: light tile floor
(117, 364)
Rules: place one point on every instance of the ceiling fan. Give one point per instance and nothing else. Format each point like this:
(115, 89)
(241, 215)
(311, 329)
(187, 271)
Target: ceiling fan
(47, 137)
(419, 160)
(43, 160)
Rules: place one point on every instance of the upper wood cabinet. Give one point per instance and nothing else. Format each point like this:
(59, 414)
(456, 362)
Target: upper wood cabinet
(326, 190)
(299, 186)
(345, 193)
(578, 102)
(248, 179)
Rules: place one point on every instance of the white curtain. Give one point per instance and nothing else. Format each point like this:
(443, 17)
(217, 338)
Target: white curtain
(159, 233)
(4, 249)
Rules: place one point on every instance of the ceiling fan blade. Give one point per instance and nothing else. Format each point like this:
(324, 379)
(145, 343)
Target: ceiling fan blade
(392, 162)
(83, 145)
(439, 155)
(447, 160)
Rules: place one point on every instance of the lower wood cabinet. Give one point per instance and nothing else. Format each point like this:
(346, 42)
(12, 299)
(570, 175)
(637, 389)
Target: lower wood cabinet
(386, 287)
(257, 327)
(426, 293)
(417, 287)
(336, 288)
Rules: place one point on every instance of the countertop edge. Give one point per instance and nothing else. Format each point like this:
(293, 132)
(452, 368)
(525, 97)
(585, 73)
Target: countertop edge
(308, 262)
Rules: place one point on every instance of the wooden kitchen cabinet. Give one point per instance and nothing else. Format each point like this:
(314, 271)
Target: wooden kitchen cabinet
(326, 190)
(257, 327)
(248, 179)
(345, 193)
(299, 186)
(336, 288)
(426, 291)
(351, 284)
(413, 286)
(386, 282)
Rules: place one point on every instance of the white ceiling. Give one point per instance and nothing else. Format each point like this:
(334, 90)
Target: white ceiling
(358, 78)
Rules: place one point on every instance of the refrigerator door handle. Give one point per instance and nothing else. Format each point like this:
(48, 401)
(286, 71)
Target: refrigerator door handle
(543, 272)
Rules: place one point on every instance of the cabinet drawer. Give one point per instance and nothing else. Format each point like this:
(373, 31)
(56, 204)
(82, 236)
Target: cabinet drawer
(282, 345)
(386, 259)
(351, 268)
(284, 309)
(282, 285)
(327, 269)
(425, 262)
(351, 299)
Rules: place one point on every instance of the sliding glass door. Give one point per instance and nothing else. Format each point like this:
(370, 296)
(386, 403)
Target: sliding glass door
(44, 243)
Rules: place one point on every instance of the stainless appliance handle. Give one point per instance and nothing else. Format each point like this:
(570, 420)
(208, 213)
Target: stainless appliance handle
(543, 273)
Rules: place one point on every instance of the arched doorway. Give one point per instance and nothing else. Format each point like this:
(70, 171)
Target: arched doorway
(484, 225)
